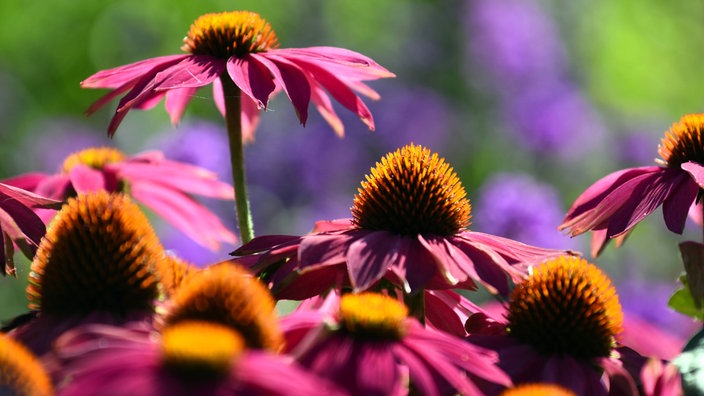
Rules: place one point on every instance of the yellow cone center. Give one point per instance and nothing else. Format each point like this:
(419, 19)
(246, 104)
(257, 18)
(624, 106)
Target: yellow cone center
(373, 315)
(96, 158)
(412, 191)
(566, 306)
(227, 34)
(683, 142)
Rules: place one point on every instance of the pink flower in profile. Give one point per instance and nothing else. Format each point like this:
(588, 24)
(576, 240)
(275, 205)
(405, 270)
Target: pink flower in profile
(186, 358)
(408, 227)
(242, 47)
(19, 224)
(162, 185)
(367, 344)
(612, 206)
(561, 326)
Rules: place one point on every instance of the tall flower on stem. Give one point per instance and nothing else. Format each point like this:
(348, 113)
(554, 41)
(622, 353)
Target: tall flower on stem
(408, 228)
(163, 185)
(237, 52)
(614, 204)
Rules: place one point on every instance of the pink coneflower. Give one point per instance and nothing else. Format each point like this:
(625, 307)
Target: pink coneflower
(239, 48)
(98, 262)
(561, 326)
(408, 227)
(19, 224)
(369, 346)
(186, 358)
(165, 186)
(613, 205)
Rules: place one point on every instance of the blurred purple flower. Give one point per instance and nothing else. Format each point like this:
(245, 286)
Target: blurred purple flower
(518, 207)
(556, 119)
(515, 41)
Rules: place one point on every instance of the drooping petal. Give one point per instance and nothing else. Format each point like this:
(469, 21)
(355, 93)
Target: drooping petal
(680, 198)
(370, 256)
(176, 101)
(191, 72)
(291, 79)
(27, 198)
(325, 108)
(184, 213)
(249, 119)
(317, 249)
(696, 170)
(346, 64)
(116, 77)
(340, 91)
(253, 78)
(176, 175)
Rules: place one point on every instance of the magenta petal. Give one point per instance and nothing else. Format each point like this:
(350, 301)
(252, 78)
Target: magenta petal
(419, 264)
(176, 101)
(325, 108)
(85, 179)
(318, 249)
(115, 77)
(264, 242)
(696, 170)
(218, 96)
(370, 256)
(184, 213)
(341, 92)
(253, 78)
(20, 222)
(342, 62)
(291, 79)
(192, 72)
(27, 181)
(28, 198)
(249, 119)
(676, 206)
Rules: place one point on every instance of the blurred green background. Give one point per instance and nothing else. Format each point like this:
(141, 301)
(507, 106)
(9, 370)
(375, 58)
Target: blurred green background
(636, 66)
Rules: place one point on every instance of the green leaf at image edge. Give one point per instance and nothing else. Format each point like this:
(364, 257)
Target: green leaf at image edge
(682, 302)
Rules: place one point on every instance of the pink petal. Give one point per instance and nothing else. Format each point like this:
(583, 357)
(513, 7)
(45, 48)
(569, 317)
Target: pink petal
(291, 79)
(317, 249)
(676, 206)
(177, 176)
(27, 181)
(85, 179)
(184, 213)
(370, 256)
(346, 64)
(192, 72)
(27, 198)
(176, 101)
(116, 77)
(218, 96)
(253, 78)
(325, 108)
(249, 119)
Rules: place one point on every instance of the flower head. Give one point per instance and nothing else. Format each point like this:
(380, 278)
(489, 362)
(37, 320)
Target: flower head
(228, 294)
(408, 227)
(97, 263)
(562, 324)
(19, 224)
(612, 206)
(367, 344)
(187, 358)
(21, 373)
(242, 47)
(163, 185)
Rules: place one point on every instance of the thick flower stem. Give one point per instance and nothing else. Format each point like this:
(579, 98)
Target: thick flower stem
(232, 96)
(416, 305)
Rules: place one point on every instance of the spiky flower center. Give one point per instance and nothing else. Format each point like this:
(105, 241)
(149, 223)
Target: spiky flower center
(230, 295)
(373, 315)
(566, 306)
(99, 253)
(226, 34)
(538, 389)
(200, 350)
(96, 158)
(683, 142)
(20, 371)
(412, 192)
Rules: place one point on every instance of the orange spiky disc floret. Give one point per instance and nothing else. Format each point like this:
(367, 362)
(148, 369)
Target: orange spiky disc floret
(99, 254)
(227, 34)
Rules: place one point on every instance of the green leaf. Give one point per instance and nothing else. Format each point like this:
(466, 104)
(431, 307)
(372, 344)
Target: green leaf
(682, 302)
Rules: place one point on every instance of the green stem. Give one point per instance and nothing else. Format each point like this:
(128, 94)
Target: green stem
(233, 120)
(416, 305)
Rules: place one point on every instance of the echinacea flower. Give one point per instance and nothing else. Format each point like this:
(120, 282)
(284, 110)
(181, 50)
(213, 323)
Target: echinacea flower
(241, 47)
(408, 227)
(561, 326)
(369, 346)
(613, 205)
(21, 373)
(228, 294)
(97, 263)
(19, 224)
(186, 358)
(165, 186)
